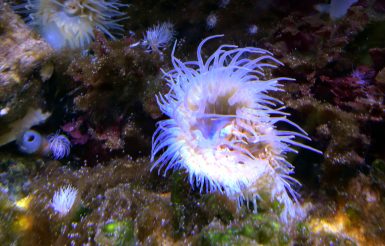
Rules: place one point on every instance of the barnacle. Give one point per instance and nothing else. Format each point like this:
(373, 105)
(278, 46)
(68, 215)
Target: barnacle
(71, 23)
(30, 142)
(222, 127)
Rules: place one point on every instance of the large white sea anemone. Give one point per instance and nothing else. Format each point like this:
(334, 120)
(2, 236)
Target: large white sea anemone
(72, 23)
(222, 127)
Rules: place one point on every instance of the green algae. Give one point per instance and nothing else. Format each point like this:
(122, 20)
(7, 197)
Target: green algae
(81, 213)
(118, 233)
(255, 229)
(303, 233)
(221, 238)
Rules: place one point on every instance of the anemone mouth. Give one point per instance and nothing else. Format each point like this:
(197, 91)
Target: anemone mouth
(71, 8)
(221, 122)
(30, 138)
(226, 128)
(215, 115)
(222, 106)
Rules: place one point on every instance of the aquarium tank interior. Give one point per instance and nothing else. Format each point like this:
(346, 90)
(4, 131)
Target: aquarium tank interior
(205, 122)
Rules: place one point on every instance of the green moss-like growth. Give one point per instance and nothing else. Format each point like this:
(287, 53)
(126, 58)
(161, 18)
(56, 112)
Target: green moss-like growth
(81, 213)
(264, 229)
(303, 234)
(118, 233)
(228, 237)
(259, 228)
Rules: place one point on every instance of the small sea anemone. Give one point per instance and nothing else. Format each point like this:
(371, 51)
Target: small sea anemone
(252, 30)
(59, 145)
(359, 76)
(222, 127)
(64, 199)
(362, 75)
(211, 21)
(159, 37)
(71, 23)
